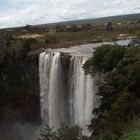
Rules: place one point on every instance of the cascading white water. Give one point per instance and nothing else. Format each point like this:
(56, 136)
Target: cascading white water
(81, 91)
(51, 88)
(65, 97)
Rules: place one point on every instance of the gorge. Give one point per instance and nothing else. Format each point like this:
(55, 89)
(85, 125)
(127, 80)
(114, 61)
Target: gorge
(67, 94)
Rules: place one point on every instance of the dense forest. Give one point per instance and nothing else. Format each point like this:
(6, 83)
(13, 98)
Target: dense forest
(119, 89)
(18, 81)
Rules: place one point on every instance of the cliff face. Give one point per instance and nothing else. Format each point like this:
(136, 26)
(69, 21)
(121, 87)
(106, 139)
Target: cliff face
(29, 100)
(19, 97)
(19, 86)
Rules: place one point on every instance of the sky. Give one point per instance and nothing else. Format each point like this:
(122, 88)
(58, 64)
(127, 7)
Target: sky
(22, 12)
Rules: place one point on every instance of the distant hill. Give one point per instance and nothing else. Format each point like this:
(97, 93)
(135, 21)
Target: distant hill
(97, 20)
(118, 18)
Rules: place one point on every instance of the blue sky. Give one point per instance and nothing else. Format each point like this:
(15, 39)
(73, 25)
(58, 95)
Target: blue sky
(21, 12)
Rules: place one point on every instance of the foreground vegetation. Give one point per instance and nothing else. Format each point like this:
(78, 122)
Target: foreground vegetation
(133, 131)
(119, 88)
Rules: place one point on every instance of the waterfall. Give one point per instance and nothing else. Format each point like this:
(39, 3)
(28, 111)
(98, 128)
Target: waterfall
(67, 94)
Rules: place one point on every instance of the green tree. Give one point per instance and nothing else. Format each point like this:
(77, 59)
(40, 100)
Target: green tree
(104, 59)
(65, 132)
(109, 26)
(47, 133)
(28, 27)
(26, 47)
(69, 133)
(138, 21)
(119, 89)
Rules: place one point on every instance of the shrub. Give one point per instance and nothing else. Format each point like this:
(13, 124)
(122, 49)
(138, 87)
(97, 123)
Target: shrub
(63, 133)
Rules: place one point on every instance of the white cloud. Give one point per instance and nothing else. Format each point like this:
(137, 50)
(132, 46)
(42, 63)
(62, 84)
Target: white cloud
(22, 12)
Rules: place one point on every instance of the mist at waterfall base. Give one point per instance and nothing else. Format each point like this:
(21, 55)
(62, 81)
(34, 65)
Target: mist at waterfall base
(19, 131)
(67, 94)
